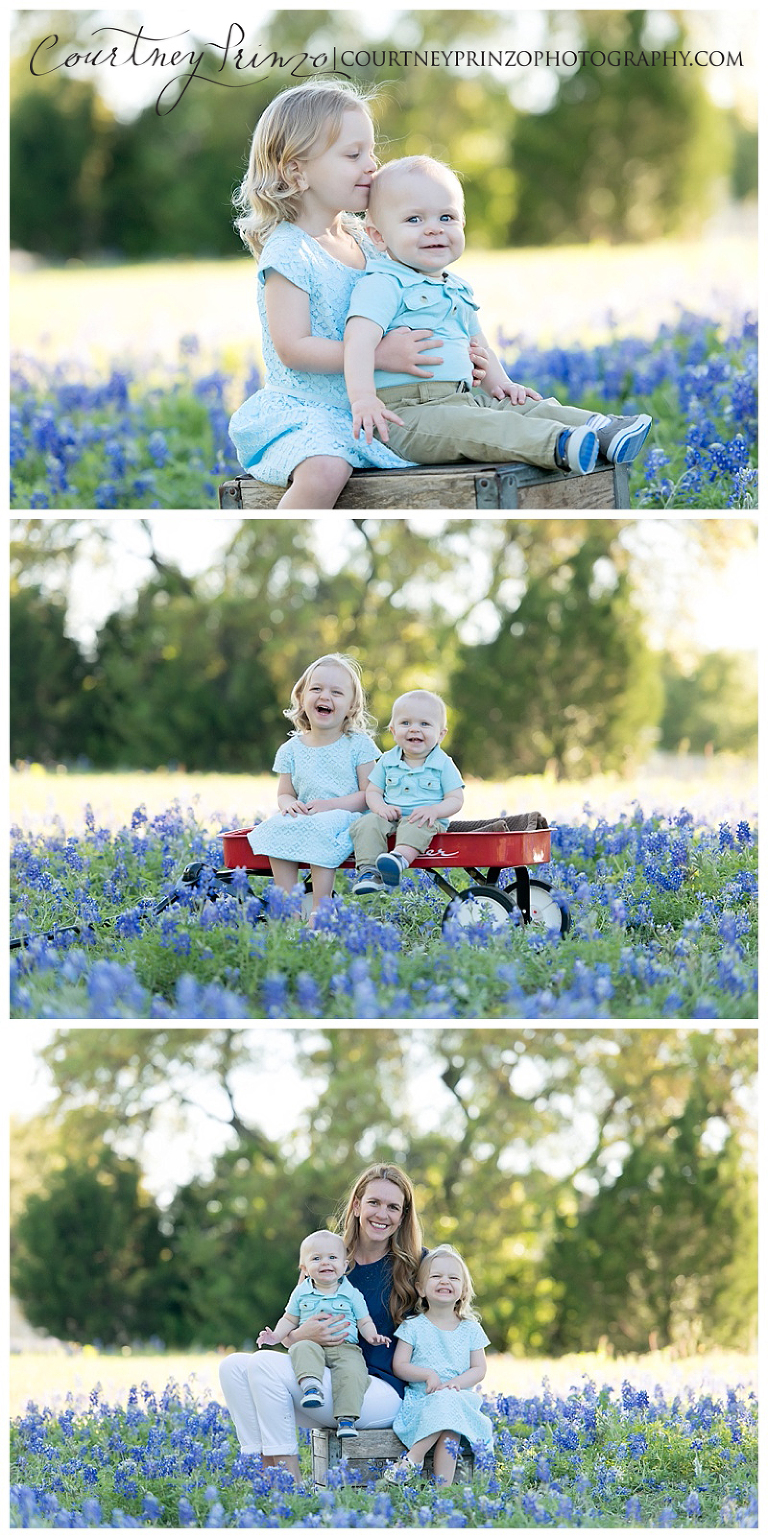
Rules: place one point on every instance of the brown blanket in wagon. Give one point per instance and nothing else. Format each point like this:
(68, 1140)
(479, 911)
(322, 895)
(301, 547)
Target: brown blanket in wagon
(520, 822)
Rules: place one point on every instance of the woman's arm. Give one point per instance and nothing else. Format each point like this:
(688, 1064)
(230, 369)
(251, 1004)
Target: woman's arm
(287, 799)
(325, 1329)
(474, 1374)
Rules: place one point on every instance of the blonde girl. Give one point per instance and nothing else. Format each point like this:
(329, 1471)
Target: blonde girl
(324, 768)
(309, 173)
(440, 1355)
(382, 1237)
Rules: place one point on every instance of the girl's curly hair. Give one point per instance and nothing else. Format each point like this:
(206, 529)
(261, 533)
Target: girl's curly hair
(293, 124)
(359, 718)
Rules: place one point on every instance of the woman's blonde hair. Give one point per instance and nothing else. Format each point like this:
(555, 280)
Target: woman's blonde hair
(463, 1306)
(359, 718)
(289, 129)
(406, 1246)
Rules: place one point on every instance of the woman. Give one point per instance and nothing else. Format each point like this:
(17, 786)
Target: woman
(382, 1235)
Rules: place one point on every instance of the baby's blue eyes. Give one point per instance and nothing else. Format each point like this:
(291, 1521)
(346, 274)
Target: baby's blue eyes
(444, 218)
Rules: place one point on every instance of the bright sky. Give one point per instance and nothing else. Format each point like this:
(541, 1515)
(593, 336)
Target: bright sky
(723, 605)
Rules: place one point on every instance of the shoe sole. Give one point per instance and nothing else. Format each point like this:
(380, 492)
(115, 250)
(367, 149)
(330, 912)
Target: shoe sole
(584, 446)
(312, 1404)
(347, 1435)
(367, 888)
(628, 441)
(389, 870)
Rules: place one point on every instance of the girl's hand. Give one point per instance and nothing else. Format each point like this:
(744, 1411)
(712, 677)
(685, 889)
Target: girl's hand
(479, 357)
(453, 1383)
(432, 1382)
(294, 808)
(267, 1338)
(403, 351)
(369, 413)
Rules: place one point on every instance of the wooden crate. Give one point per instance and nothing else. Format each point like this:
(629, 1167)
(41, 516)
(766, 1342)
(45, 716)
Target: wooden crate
(471, 486)
(368, 1454)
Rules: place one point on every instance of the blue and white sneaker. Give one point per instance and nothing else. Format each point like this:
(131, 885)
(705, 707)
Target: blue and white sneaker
(345, 1426)
(576, 450)
(367, 880)
(312, 1396)
(390, 868)
(621, 438)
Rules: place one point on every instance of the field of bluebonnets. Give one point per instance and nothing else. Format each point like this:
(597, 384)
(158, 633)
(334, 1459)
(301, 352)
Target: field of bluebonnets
(140, 435)
(663, 910)
(596, 1454)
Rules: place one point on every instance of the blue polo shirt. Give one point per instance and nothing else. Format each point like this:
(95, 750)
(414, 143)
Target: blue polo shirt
(392, 295)
(407, 787)
(347, 1302)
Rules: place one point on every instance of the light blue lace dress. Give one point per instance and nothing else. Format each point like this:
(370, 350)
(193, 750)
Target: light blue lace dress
(316, 774)
(297, 415)
(447, 1353)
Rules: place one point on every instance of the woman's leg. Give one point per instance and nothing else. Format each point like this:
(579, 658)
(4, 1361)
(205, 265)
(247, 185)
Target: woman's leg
(317, 483)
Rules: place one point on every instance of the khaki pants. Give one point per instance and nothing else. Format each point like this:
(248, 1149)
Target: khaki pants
(445, 422)
(370, 832)
(349, 1374)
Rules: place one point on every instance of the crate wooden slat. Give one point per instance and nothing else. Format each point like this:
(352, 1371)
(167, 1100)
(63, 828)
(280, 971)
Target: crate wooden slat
(368, 1454)
(468, 486)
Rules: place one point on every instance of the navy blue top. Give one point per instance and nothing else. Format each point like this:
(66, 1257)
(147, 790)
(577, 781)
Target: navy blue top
(375, 1283)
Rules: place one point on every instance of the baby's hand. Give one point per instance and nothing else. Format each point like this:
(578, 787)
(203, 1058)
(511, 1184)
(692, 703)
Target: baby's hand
(379, 1340)
(424, 816)
(517, 393)
(392, 813)
(432, 1382)
(266, 1338)
(369, 413)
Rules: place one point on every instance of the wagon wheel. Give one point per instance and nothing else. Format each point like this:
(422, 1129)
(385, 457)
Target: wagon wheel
(546, 911)
(480, 903)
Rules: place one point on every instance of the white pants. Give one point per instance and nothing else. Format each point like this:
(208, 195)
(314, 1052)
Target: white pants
(264, 1400)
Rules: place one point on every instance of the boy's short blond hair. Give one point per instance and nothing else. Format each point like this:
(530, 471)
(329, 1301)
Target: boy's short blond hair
(422, 694)
(426, 164)
(320, 1233)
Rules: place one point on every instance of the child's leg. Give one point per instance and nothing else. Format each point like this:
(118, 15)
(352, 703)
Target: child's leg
(444, 1460)
(412, 840)
(317, 483)
(285, 873)
(349, 1376)
(418, 1452)
(322, 884)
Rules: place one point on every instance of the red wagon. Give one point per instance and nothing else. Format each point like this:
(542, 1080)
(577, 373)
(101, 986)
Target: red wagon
(477, 852)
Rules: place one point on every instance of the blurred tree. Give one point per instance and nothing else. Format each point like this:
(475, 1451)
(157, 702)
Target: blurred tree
(711, 708)
(49, 707)
(544, 1153)
(624, 153)
(87, 1260)
(569, 680)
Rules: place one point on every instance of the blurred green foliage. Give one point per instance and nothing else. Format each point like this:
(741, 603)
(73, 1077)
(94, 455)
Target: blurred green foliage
(601, 1184)
(615, 153)
(197, 672)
